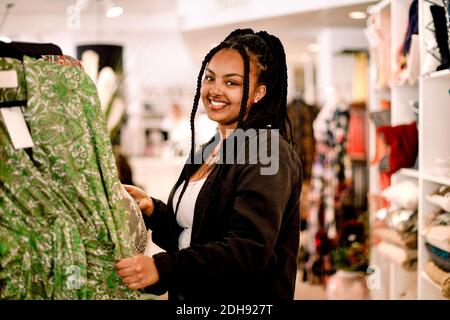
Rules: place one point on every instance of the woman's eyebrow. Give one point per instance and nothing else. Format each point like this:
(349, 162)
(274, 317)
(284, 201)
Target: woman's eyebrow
(227, 75)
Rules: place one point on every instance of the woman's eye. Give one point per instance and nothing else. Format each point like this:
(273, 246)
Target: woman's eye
(232, 83)
(209, 78)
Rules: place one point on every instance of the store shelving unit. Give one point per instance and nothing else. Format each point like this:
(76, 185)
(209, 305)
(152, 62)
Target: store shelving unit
(432, 93)
(411, 173)
(434, 137)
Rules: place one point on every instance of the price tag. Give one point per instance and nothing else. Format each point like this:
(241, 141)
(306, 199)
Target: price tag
(17, 127)
(8, 79)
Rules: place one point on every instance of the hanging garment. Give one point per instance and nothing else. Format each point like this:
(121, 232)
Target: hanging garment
(62, 219)
(378, 34)
(356, 146)
(441, 34)
(331, 172)
(331, 169)
(64, 60)
(413, 27)
(139, 236)
(302, 116)
(360, 77)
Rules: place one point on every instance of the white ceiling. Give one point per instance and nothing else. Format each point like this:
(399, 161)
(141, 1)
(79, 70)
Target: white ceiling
(59, 6)
(296, 31)
(331, 17)
(45, 16)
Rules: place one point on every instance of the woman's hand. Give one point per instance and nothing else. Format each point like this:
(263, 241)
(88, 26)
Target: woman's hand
(138, 272)
(145, 202)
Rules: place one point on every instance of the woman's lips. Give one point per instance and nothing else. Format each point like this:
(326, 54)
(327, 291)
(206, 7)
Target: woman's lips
(217, 105)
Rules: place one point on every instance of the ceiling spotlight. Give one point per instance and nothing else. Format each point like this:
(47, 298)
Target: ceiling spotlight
(112, 10)
(5, 39)
(357, 15)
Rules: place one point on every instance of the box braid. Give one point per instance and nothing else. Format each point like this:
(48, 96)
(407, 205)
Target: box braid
(191, 164)
(271, 110)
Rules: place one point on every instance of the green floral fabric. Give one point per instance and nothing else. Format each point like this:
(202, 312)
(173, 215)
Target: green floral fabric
(62, 218)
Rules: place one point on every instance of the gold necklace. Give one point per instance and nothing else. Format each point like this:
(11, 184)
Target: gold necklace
(209, 163)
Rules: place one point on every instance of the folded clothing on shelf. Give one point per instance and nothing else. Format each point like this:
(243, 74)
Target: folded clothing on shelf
(442, 219)
(402, 220)
(440, 257)
(405, 258)
(404, 194)
(381, 118)
(438, 236)
(439, 276)
(403, 145)
(441, 198)
(405, 240)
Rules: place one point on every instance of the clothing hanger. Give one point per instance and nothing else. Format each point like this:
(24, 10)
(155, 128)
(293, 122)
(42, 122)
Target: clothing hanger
(434, 3)
(8, 51)
(36, 50)
(17, 50)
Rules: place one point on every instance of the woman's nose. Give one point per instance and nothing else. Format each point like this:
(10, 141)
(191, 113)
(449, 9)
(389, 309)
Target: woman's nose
(216, 89)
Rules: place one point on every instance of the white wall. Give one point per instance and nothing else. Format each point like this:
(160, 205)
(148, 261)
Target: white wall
(336, 70)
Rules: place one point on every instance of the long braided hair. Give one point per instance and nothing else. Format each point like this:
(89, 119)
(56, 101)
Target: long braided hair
(271, 110)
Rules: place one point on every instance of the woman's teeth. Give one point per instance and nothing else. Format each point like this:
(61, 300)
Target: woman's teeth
(217, 104)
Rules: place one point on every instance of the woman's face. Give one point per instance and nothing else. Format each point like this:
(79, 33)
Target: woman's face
(222, 88)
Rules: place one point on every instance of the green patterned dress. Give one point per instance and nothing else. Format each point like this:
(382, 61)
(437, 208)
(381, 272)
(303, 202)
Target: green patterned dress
(62, 218)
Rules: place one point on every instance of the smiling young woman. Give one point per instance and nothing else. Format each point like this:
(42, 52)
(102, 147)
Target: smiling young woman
(230, 231)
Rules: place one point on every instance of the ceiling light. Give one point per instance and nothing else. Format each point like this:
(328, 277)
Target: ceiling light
(5, 39)
(357, 15)
(112, 10)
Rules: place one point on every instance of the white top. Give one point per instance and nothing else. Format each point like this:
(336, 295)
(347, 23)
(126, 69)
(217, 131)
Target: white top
(185, 215)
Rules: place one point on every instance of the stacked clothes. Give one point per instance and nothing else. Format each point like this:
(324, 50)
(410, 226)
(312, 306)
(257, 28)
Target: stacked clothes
(437, 237)
(397, 230)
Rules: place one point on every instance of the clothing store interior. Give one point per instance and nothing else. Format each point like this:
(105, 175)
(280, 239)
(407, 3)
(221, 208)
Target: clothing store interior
(368, 98)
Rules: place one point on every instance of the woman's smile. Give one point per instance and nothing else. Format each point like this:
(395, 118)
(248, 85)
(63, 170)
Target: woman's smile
(217, 105)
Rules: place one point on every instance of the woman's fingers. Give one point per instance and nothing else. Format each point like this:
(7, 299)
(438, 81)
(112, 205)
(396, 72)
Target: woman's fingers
(136, 285)
(125, 272)
(132, 279)
(141, 198)
(138, 271)
(125, 263)
(134, 191)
